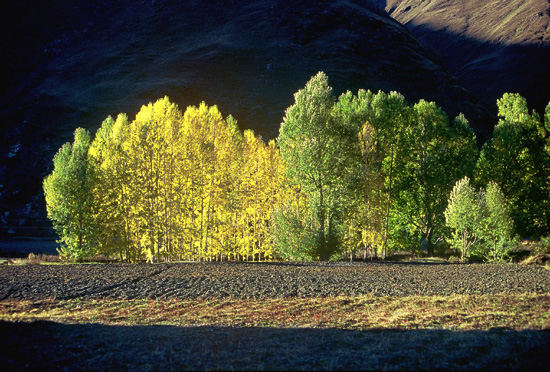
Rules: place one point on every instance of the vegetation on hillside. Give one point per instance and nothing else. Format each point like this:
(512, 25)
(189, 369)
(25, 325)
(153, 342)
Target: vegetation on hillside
(367, 171)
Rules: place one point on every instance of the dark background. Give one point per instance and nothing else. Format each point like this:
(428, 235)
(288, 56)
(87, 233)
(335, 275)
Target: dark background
(69, 64)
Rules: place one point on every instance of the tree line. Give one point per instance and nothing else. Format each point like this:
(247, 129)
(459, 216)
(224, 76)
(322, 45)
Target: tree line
(165, 186)
(365, 171)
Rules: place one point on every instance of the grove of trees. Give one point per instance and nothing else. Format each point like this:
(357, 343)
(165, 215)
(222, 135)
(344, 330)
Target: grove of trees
(366, 172)
(165, 186)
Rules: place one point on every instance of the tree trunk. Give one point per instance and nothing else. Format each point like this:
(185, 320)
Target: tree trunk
(321, 219)
(429, 244)
(385, 246)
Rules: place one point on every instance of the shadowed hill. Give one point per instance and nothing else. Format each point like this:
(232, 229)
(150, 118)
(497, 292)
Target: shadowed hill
(492, 46)
(70, 64)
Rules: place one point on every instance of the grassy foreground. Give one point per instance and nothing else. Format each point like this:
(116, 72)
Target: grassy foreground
(456, 312)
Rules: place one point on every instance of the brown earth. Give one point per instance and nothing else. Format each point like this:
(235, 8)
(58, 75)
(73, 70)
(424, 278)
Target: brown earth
(60, 346)
(265, 280)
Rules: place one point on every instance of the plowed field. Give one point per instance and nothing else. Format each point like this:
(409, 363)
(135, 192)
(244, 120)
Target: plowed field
(56, 344)
(265, 280)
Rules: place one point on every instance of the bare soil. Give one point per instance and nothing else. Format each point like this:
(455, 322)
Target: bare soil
(59, 346)
(265, 280)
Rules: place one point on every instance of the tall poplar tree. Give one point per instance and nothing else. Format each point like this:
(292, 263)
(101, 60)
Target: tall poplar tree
(311, 147)
(435, 156)
(354, 113)
(68, 192)
(112, 188)
(497, 224)
(517, 158)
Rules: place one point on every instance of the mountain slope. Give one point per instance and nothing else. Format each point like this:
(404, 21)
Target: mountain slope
(492, 46)
(73, 63)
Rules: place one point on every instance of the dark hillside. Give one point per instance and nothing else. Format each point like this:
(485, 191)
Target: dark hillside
(492, 46)
(73, 63)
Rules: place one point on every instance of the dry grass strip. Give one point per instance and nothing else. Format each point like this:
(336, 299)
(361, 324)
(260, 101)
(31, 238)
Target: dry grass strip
(456, 312)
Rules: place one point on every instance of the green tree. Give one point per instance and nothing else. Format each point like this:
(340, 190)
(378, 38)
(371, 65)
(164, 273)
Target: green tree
(294, 231)
(517, 158)
(311, 147)
(69, 201)
(463, 216)
(373, 129)
(401, 167)
(435, 156)
(390, 116)
(352, 112)
(496, 224)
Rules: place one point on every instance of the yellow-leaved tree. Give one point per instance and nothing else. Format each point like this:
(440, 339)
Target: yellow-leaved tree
(171, 186)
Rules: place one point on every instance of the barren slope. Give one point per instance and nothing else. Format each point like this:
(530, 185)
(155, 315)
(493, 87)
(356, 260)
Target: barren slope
(491, 46)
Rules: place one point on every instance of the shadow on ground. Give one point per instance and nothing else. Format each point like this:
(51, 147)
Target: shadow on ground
(54, 346)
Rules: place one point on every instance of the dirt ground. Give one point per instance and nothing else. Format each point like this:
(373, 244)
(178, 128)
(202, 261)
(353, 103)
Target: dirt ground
(48, 345)
(247, 280)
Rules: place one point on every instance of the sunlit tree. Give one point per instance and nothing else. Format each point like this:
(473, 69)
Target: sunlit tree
(311, 146)
(496, 224)
(69, 201)
(517, 158)
(435, 156)
(463, 215)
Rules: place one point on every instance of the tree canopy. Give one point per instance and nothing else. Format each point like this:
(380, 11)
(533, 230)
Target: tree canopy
(68, 198)
(360, 172)
(166, 185)
(517, 158)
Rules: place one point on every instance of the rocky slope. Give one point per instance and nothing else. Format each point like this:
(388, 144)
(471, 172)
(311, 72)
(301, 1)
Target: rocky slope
(491, 46)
